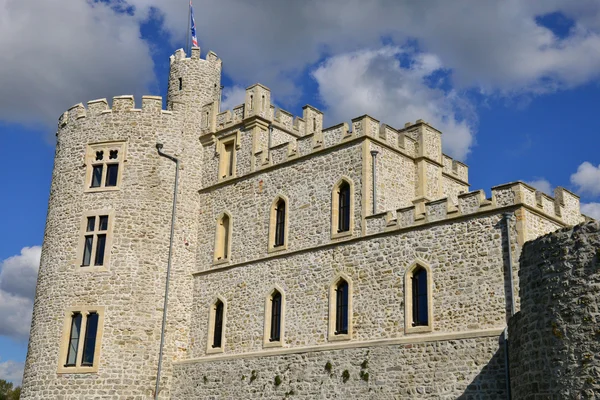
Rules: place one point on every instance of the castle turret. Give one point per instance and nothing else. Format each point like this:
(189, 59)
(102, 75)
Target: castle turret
(97, 317)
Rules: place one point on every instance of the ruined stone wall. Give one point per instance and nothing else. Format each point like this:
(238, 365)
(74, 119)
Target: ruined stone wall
(444, 369)
(555, 338)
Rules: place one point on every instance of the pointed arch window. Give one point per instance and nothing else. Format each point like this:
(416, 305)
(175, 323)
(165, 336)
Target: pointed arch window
(342, 206)
(275, 334)
(223, 239)
(278, 225)
(340, 309)
(418, 312)
(274, 318)
(216, 326)
(341, 305)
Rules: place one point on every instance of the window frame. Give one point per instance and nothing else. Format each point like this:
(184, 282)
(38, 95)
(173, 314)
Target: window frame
(335, 208)
(211, 326)
(273, 224)
(83, 233)
(333, 335)
(79, 367)
(409, 326)
(223, 172)
(90, 162)
(219, 246)
(267, 342)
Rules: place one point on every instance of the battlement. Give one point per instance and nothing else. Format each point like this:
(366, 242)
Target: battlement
(120, 104)
(180, 55)
(298, 136)
(562, 209)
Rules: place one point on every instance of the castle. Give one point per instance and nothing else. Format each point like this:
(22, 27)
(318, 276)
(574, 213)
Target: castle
(307, 262)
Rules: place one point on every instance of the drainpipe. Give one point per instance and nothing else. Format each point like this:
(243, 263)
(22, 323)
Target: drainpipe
(374, 155)
(507, 219)
(159, 147)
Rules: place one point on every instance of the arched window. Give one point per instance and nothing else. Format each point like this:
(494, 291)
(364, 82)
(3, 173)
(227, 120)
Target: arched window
(341, 308)
(223, 238)
(275, 334)
(344, 207)
(418, 299)
(278, 222)
(218, 325)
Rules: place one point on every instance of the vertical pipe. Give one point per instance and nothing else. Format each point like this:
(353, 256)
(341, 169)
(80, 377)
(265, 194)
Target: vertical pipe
(507, 218)
(374, 155)
(164, 316)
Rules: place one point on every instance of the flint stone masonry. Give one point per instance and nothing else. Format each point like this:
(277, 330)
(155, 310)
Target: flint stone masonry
(425, 215)
(555, 338)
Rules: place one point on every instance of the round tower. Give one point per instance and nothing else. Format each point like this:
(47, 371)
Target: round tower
(97, 317)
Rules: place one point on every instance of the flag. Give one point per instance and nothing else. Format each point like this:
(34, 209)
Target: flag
(193, 25)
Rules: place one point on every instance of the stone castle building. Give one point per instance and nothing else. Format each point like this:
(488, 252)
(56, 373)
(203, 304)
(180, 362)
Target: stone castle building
(308, 261)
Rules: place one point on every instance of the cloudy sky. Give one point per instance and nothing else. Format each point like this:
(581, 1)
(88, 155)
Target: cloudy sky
(513, 85)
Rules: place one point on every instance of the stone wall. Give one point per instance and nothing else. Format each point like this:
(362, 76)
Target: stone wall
(555, 338)
(444, 369)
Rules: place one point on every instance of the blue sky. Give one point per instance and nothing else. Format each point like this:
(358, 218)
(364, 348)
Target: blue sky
(513, 85)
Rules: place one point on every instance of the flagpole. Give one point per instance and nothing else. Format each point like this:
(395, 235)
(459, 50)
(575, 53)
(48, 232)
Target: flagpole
(187, 35)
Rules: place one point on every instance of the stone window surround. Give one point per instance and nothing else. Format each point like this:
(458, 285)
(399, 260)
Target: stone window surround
(219, 238)
(90, 156)
(408, 302)
(267, 328)
(66, 333)
(335, 208)
(273, 222)
(107, 246)
(331, 336)
(222, 141)
(211, 326)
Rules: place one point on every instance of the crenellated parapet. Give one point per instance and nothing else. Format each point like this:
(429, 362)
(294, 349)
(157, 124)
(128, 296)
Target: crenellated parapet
(562, 210)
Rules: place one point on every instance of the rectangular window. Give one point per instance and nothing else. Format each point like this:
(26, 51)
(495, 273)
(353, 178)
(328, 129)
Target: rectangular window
(82, 332)
(95, 245)
(218, 332)
(275, 317)
(74, 339)
(105, 161)
(341, 320)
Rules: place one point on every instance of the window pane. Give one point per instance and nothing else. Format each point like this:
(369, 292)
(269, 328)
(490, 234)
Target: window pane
(73, 340)
(91, 222)
(89, 343)
(344, 208)
(275, 317)
(419, 297)
(100, 245)
(218, 332)
(226, 228)
(87, 250)
(229, 159)
(103, 223)
(99, 155)
(112, 172)
(113, 154)
(341, 317)
(280, 224)
(96, 176)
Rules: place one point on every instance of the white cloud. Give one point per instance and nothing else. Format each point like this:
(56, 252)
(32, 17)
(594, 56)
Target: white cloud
(587, 178)
(374, 82)
(232, 96)
(53, 56)
(18, 276)
(12, 371)
(542, 185)
(591, 210)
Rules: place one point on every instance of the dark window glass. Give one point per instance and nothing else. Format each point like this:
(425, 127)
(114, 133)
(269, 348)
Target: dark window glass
(275, 317)
(113, 154)
(91, 222)
(87, 250)
(100, 245)
(344, 208)
(73, 340)
(218, 332)
(341, 314)
(280, 224)
(180, 83)
(112, 172)
(419, 297)
(103, 223)
(89, 342)
(99, 155)
(96, 176)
